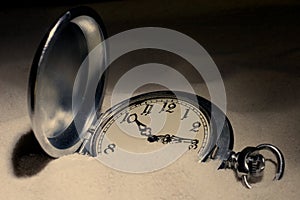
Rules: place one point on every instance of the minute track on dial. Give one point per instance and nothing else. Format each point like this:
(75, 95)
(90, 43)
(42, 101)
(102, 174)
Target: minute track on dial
(160, 113)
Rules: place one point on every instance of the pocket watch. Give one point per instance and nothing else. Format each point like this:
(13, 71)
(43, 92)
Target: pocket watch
(140, 134)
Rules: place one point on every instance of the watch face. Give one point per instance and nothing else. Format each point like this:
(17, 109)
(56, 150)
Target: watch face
(151, 131)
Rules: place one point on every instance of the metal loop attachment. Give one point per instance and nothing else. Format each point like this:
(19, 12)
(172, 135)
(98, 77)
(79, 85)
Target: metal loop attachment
(249, 163)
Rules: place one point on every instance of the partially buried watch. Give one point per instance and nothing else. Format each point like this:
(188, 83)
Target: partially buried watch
(147, 132)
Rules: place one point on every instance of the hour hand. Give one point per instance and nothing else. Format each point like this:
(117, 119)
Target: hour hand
(165, 139)
(144, 130)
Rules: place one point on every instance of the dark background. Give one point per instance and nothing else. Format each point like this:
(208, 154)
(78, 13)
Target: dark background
(255, 45)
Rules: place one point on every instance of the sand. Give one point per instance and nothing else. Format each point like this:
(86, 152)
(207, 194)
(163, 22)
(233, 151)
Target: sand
(257, 52)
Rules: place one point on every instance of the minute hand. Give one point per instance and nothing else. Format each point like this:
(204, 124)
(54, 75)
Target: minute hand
(165, 139)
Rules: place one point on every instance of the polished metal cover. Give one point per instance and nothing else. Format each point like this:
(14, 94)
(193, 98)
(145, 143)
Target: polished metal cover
(56, 75)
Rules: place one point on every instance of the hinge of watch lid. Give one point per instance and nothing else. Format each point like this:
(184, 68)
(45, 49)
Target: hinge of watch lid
(88, 135)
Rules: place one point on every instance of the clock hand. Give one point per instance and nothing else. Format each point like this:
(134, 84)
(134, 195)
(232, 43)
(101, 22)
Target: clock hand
(165, 139)
(144, 130)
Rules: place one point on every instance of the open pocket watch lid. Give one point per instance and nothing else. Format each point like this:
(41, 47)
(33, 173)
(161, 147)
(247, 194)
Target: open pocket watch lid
(60, 79)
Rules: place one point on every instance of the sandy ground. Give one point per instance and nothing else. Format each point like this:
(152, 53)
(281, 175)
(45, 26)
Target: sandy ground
(255, 46)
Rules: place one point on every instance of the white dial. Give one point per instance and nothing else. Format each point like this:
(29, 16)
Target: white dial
(122, 141)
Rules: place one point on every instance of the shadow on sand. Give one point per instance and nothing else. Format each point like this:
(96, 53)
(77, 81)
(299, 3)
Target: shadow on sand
(28, 158)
